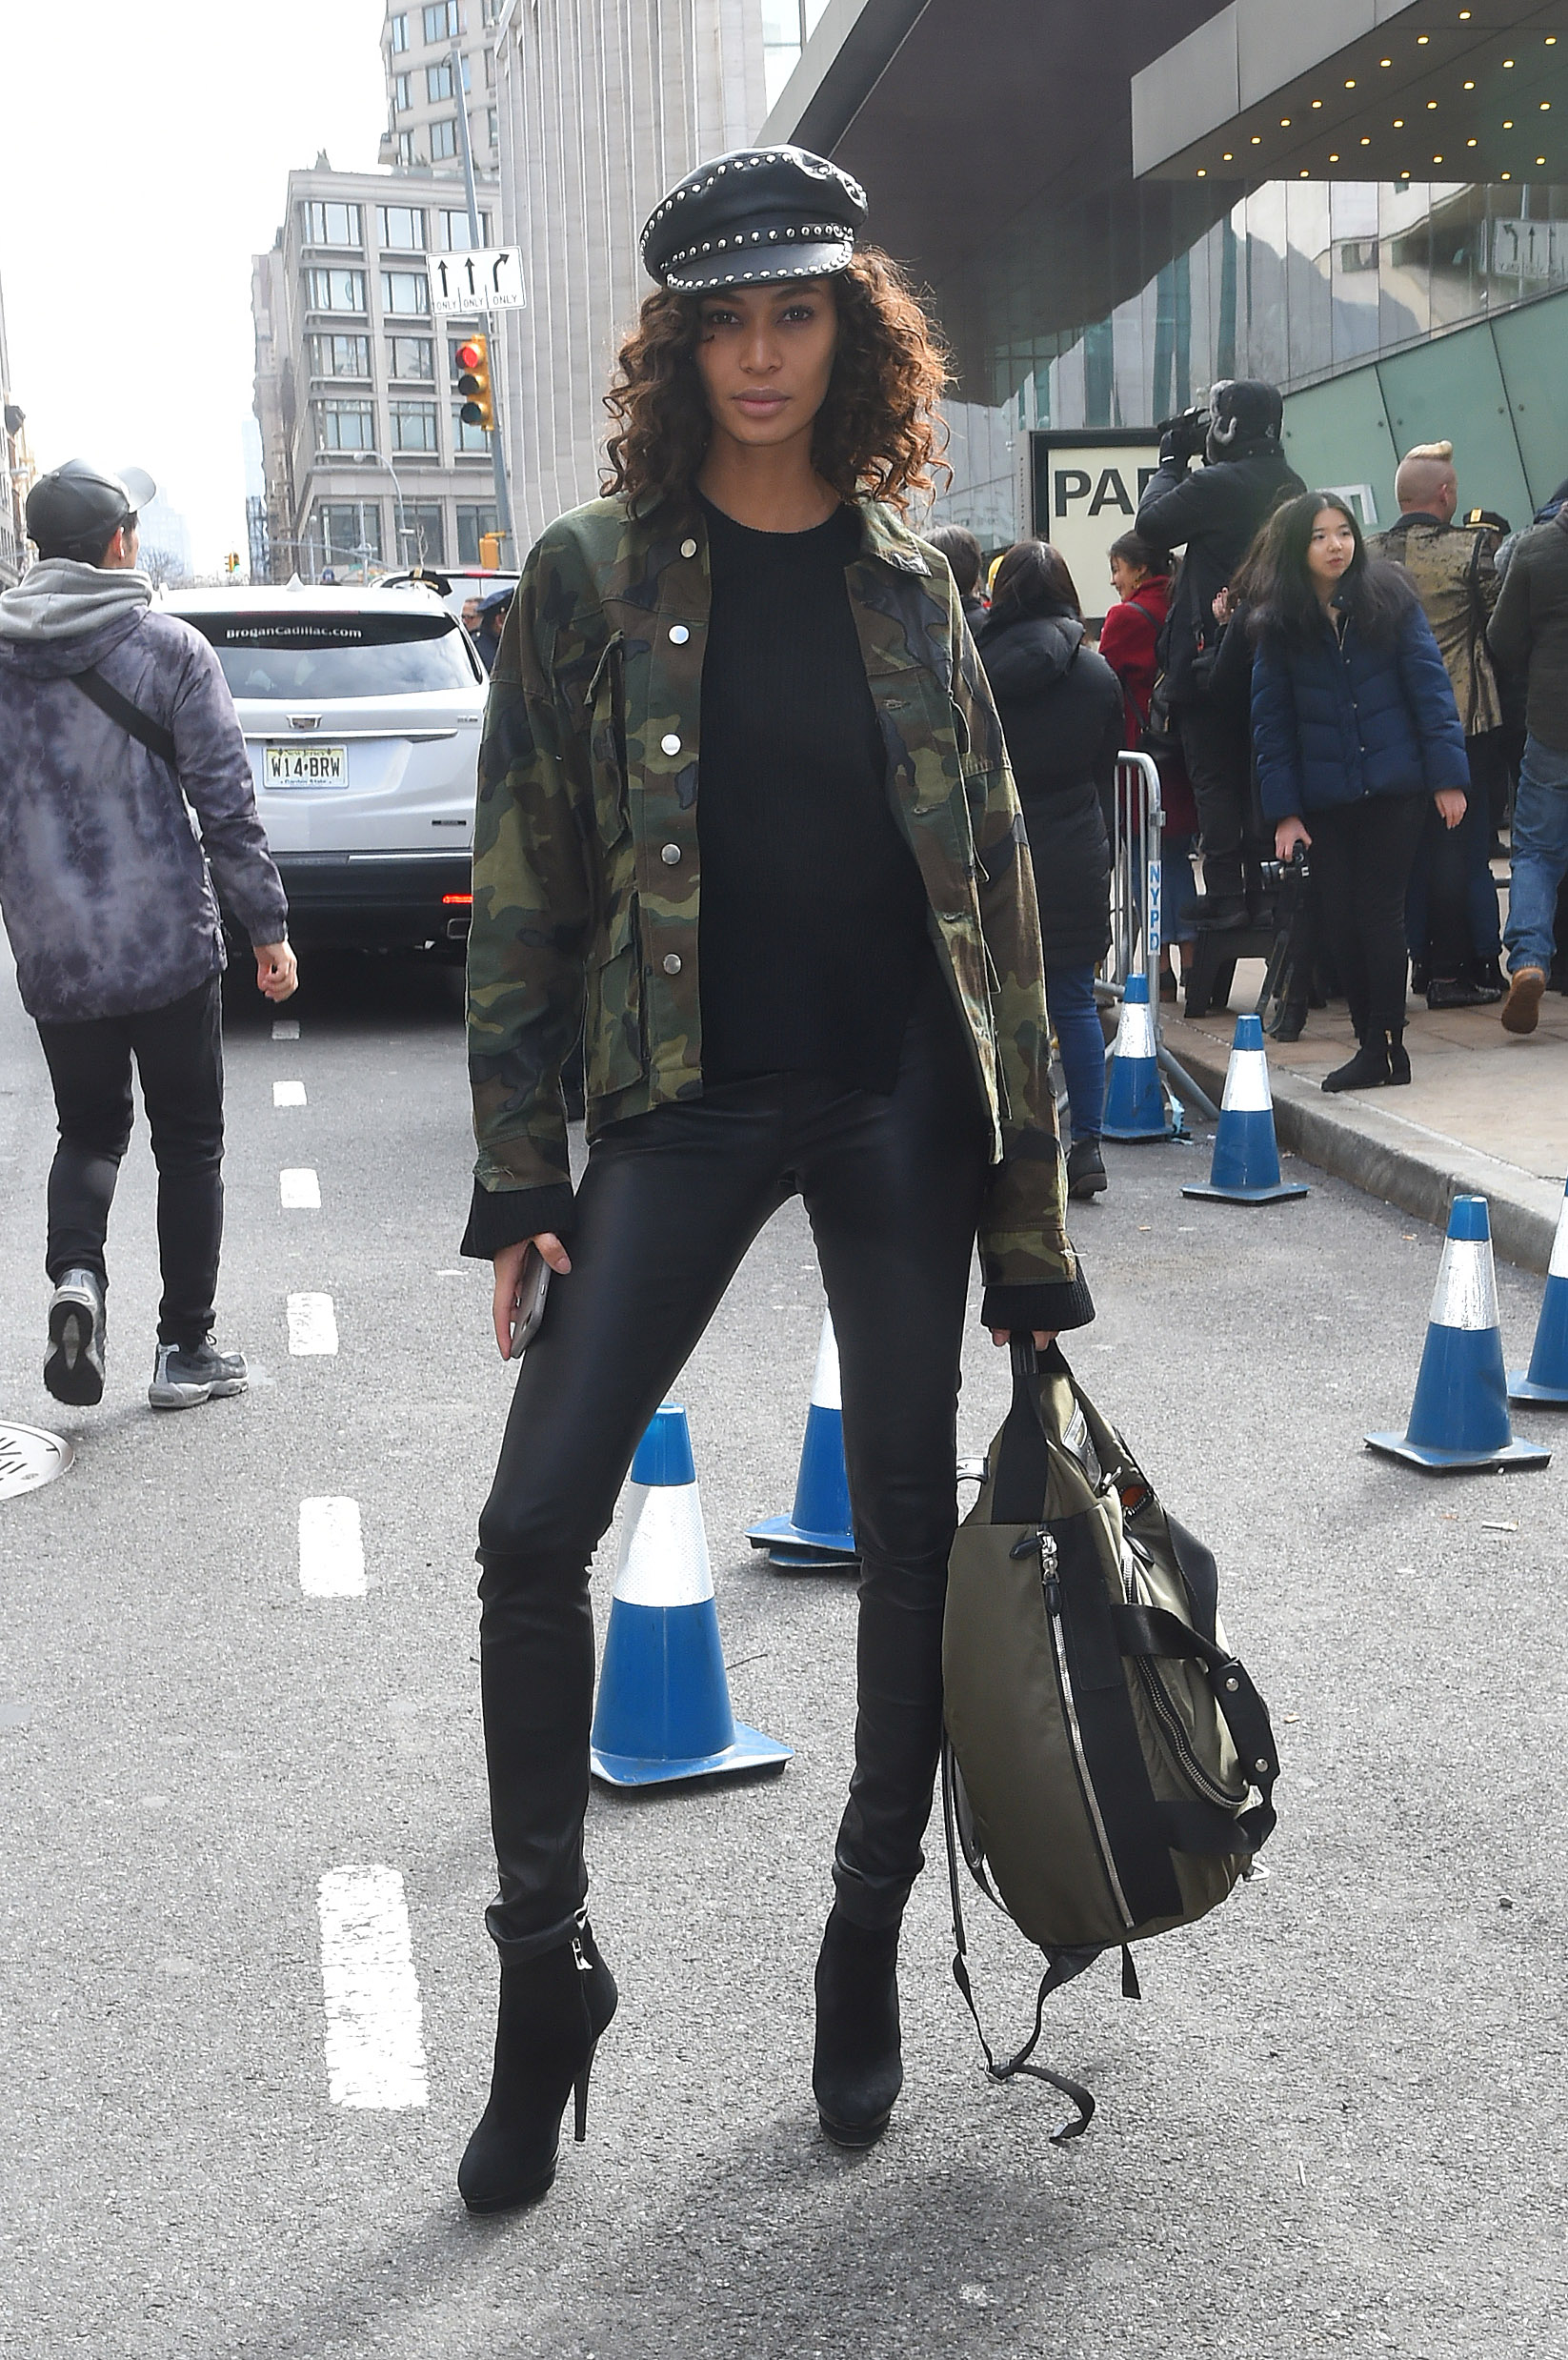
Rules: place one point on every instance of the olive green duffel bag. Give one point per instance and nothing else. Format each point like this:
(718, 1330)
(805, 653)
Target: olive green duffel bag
(1109, 1767)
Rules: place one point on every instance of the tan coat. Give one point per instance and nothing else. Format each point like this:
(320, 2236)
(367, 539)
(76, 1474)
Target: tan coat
(1454, 568)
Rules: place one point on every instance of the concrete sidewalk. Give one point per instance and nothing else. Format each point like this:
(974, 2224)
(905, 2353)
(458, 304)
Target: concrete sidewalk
(1485, 1113)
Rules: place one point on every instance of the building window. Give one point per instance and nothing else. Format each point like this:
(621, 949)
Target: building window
(401, 99)
(493, 125)
(414, 426)
(787, 25)
(489, 11)
(340, 357)
(465, 437)
(346, 425)
(406, 293)
(332, 225)
(424, 538)
(438, 80)
(401, 226)
(404, 148)
(399, 29)
(348, 534)
(473, 524)
(334, 290)
(455, 231)
(443, 139)
(412, 357)
(441, 22)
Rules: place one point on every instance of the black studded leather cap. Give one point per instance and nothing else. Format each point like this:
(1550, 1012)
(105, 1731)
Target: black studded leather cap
(761, 215)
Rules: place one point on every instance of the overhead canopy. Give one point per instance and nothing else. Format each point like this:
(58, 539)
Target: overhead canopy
(1360, 90)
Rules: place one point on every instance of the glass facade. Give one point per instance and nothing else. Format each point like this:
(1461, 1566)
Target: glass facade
(1298, 283)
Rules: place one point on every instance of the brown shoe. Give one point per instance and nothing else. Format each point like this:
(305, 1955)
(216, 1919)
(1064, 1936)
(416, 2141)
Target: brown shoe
(1520, 1009)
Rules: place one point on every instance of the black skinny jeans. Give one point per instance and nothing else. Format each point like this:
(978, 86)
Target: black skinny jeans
(179, 1057)
(1361, 857)
(668, 1204)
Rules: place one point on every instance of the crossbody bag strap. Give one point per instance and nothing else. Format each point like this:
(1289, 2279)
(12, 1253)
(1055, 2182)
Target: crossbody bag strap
(131, 718)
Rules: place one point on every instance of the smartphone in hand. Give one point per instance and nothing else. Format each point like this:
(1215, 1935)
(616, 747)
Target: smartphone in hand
(531, 1289)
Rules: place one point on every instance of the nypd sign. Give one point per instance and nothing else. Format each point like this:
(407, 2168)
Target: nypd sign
(1086, 489)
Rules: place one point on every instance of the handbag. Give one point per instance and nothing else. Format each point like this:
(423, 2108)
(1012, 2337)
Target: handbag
(1108, 1768)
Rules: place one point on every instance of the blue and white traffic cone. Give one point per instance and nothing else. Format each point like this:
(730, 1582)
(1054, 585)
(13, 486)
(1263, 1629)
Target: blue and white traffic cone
(1546, 1379)
(1246, 1160)
(663, 1708)
(1135, 1103)
(818, 1531)
(1460, 1416)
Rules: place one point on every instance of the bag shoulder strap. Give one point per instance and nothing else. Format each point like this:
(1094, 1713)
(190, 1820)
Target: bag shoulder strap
(131, 718)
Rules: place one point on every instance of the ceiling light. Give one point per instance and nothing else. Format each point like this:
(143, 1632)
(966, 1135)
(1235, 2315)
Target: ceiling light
(1202, 173)
(1470, 143)
(1541, 159)
(1508, 123)
(1546, 106)
(1316, 102)
(1305, 175)
(1284, 122)
(1365, 141)
(1422, 40)
(1404, 175)
(1470, 86)
(1430, 104)
(1351, 84)
(1228, 157)
(1399, 122)
(1258, 141)
(1333, 159)
(1551, 40)
(1385, 61)
(1437, 159)
(1464, 16)
(1507, 61)
(1508, 175)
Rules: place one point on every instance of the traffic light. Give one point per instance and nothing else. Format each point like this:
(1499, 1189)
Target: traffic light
(490, 552)
(473, 383)
(230, 563)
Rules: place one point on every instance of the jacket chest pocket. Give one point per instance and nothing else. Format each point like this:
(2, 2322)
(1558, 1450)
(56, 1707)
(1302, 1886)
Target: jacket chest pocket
(607, 742)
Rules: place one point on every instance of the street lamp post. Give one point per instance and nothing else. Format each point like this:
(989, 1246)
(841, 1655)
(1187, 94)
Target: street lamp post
(378, 458)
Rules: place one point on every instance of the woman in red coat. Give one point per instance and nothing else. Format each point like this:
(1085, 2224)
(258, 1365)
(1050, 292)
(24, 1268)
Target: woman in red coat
(1128, 640)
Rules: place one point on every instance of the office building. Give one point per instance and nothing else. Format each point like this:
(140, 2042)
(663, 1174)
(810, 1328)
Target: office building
(366, 462)
(1112, 206)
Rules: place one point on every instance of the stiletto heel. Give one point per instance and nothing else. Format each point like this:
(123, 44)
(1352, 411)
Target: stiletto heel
(580, 2088)
(553, 2009)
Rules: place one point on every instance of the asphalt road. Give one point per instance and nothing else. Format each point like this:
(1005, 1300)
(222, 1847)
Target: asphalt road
(1336, 2122)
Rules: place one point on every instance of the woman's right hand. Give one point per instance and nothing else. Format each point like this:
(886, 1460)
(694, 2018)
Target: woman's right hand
(508, 1278)
(1287, 835)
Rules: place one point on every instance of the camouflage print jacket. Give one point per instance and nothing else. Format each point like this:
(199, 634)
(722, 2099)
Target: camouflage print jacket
(586, 869)
(1454, 568)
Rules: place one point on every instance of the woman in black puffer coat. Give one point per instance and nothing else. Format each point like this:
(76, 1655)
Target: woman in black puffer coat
(1061, 713)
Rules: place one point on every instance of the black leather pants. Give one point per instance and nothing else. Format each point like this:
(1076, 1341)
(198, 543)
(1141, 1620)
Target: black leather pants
(668, 1204)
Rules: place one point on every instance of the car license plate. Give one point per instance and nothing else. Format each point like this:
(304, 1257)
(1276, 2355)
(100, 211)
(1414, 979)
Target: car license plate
(307, 766)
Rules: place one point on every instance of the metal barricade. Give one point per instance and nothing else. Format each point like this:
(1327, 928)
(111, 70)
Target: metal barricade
(1137, 829)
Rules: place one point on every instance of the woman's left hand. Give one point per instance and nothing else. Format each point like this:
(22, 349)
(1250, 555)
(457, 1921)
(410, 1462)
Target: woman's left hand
(1451, 805)
(1042, 1336)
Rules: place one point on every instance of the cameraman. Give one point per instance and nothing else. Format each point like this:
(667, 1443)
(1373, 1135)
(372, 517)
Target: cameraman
(1214, 515)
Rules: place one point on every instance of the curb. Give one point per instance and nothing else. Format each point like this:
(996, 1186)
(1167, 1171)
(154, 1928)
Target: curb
(1385, 1155)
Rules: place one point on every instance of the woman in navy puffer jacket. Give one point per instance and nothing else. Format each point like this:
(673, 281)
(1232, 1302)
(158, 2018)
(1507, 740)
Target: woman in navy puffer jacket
(1354, 727)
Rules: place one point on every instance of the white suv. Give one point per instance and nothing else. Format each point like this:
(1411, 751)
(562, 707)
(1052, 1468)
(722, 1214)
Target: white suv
(361, 713)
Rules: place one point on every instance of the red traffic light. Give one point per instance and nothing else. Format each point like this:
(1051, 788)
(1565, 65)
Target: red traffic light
(473, 358)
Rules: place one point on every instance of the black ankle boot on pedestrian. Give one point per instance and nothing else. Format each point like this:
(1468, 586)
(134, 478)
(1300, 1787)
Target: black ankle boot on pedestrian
(1086, 1168)
(1371, 1067)
(858, 2068)
(1291, 1022)
(553, 2012)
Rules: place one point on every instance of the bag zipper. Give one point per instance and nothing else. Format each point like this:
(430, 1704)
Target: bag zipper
(1051, 1587)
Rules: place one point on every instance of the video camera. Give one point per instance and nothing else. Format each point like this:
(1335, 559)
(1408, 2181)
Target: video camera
(1187, 432)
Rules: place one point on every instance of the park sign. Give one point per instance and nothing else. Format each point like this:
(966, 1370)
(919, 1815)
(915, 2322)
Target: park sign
(1085, 487)
(487, 278)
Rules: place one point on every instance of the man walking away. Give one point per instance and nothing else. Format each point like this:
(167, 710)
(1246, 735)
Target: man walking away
(1453, 934)
(492, 615)
(1213, 517)
(1529, 634)
(121, 739)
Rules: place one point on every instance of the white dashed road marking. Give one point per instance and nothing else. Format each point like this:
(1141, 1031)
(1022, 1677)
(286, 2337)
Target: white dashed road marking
(300, 1190)
(287, 1094)
(285, 1028)
(331, 1549)
(375, 2048)
(312, 1323)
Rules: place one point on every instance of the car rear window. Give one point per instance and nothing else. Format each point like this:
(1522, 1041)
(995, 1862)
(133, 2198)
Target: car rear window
(320, 656)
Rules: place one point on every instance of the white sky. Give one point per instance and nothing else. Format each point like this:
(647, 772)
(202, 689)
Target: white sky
(147, 148)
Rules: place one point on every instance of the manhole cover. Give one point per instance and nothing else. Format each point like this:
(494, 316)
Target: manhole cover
(29, 1458)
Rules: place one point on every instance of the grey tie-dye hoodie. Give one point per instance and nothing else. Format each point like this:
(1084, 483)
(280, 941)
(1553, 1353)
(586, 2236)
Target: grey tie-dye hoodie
(106, 885)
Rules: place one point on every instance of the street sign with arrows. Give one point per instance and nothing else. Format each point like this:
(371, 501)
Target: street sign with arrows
(488, 279)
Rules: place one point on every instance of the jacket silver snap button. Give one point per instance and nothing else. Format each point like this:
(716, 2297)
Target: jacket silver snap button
(672, 962)
(671, 743)
(688, 549)
(679, 634)
(670, 855)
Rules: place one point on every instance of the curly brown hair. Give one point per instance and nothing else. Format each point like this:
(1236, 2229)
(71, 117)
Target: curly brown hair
(877, 436)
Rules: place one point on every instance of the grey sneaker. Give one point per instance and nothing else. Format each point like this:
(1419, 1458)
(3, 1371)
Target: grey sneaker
(74, 1369)
(184, 1376)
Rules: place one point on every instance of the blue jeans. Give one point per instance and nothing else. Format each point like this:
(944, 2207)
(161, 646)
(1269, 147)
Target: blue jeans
(1074, 1020)
(1540, 856)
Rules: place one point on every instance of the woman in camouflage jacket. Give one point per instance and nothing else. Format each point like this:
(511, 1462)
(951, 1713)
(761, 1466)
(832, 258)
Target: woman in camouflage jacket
(858, 1013)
